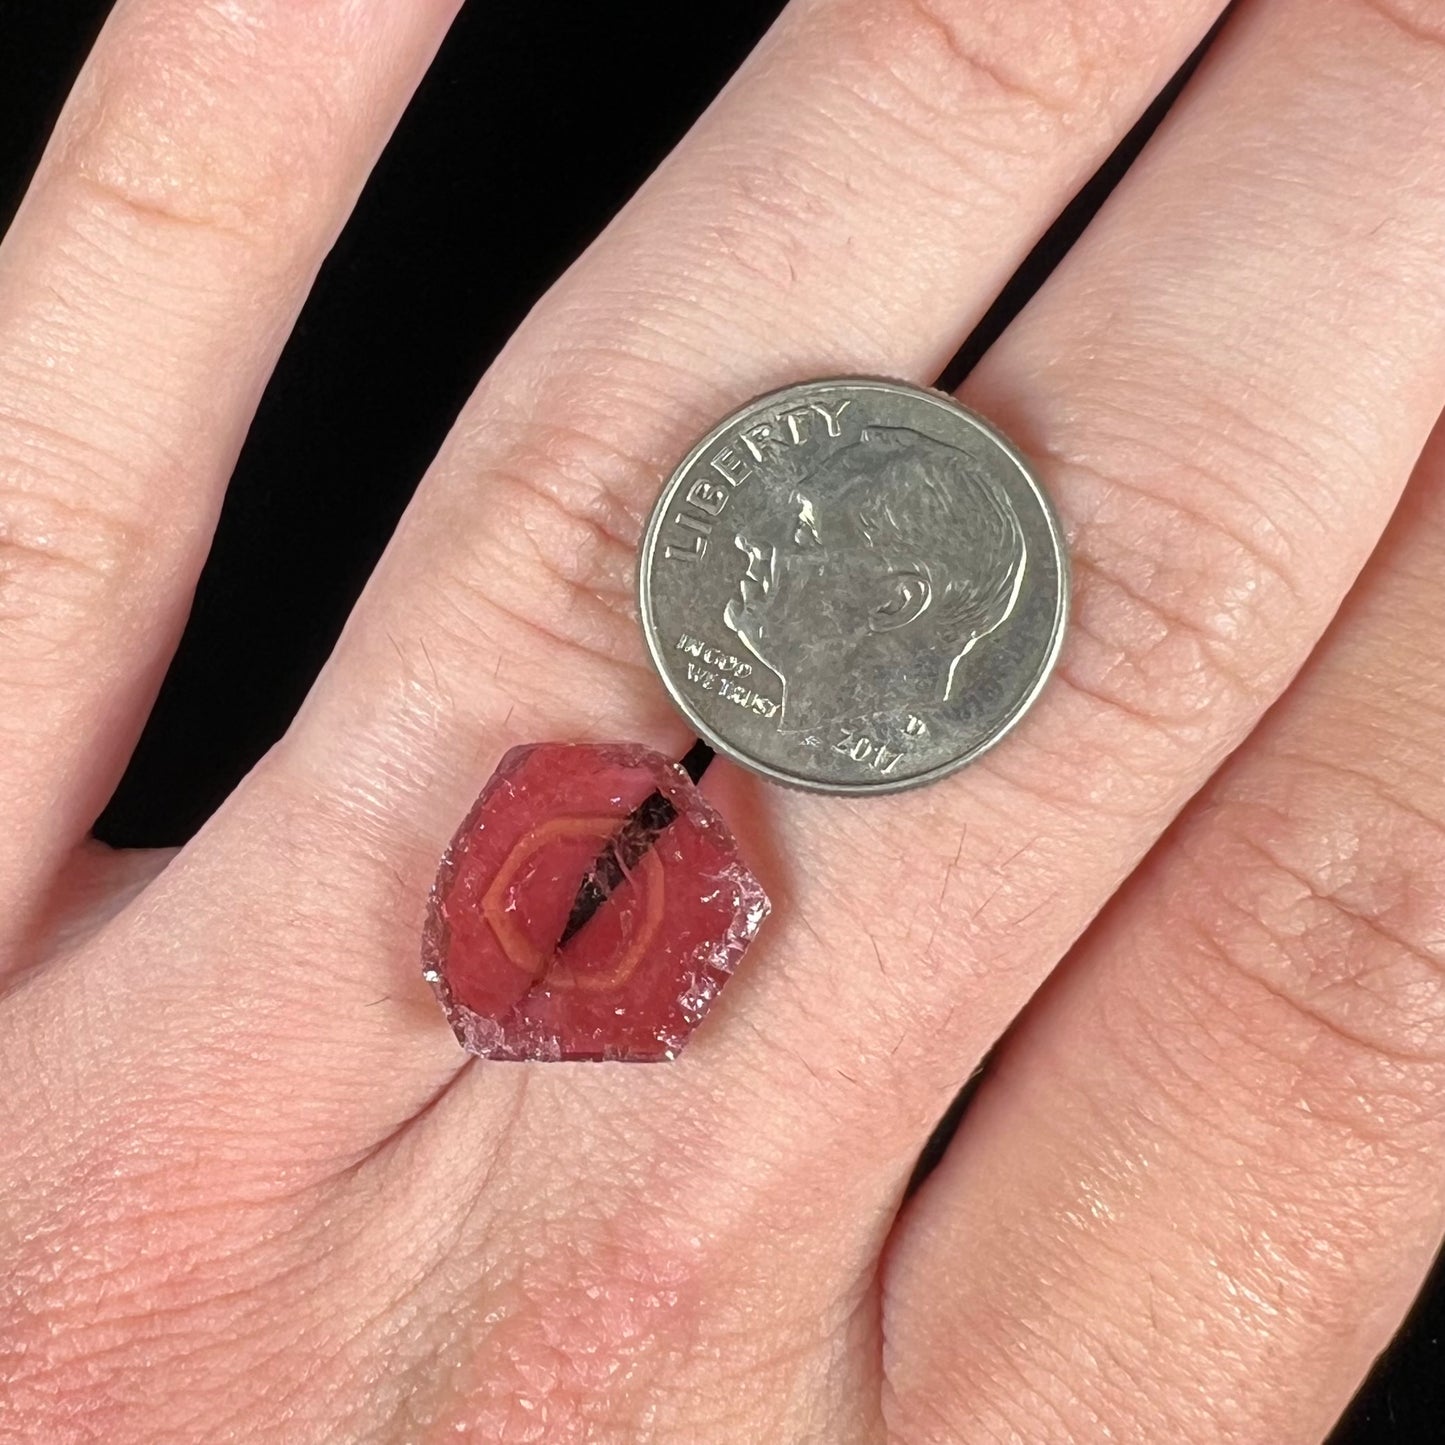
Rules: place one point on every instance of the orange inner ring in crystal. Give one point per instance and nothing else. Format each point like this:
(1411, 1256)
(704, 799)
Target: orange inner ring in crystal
(545, 965)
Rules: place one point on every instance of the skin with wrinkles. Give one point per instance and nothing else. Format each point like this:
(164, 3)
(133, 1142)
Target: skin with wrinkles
(1200, 1182)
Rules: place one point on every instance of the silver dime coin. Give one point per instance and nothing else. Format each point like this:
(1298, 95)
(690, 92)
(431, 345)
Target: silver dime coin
(853, 585)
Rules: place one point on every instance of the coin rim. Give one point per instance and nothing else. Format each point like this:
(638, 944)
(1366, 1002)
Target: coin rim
(679, 474)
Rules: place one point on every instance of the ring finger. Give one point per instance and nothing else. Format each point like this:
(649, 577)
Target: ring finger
(1221, 1129)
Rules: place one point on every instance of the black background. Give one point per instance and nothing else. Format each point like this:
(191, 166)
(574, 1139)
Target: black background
(536, 123)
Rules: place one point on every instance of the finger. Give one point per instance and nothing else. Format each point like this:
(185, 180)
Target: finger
(927, 147)
(1228, 383)
(205, 161)
(1211, 1154)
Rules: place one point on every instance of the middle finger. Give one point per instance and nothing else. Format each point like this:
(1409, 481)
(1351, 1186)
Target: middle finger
(853, 202)
(1228, 381)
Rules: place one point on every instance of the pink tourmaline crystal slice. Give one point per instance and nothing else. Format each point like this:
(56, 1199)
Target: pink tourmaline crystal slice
(591, 906)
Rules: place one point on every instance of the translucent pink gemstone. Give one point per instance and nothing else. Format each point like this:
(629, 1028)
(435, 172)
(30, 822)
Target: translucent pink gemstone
(636, 978)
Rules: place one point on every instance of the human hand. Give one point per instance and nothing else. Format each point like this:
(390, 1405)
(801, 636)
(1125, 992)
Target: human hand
(251, 1189)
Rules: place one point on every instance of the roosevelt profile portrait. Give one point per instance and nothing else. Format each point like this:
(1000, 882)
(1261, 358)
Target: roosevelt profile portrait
(893, 560)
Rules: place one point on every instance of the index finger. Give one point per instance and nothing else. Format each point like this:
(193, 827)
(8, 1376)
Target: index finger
(200, 170)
